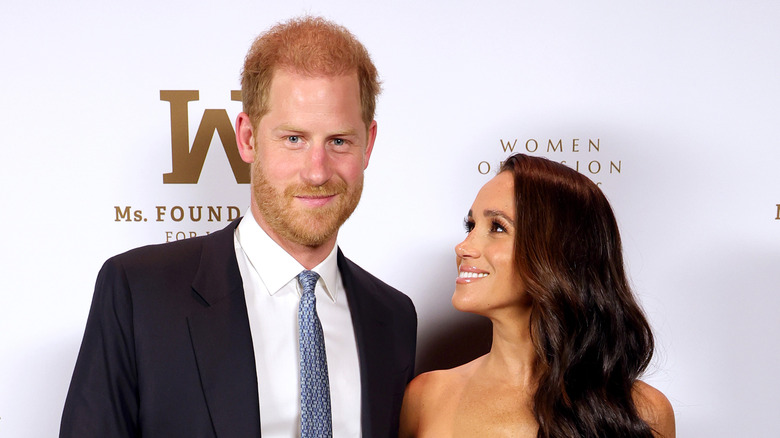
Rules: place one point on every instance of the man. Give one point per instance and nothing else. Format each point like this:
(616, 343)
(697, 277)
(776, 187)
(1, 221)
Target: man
(206, 337)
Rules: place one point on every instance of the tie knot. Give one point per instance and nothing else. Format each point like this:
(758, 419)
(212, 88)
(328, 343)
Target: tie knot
(308, 280)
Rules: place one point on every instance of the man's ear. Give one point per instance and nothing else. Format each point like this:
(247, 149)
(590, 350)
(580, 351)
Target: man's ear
(245, 138)
(370, 143)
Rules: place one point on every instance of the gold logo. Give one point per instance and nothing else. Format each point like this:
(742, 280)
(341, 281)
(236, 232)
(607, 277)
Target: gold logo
(186, 165)
(187, 162)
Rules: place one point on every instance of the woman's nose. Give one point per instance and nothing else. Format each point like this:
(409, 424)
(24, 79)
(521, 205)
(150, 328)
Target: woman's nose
(465, 248)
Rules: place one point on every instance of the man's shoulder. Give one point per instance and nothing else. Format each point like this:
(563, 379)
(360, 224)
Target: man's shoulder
(169, 271)
(170, 254)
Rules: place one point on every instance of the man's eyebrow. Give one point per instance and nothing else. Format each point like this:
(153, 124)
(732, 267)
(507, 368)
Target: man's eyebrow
(345, 132)
(288, 127)
(337, 133)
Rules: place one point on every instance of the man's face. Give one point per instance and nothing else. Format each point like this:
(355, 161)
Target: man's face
(311, 148)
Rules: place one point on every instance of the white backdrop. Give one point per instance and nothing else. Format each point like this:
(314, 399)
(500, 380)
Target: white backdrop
(680, 97)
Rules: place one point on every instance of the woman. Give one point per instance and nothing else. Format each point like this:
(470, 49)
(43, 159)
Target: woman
(542, 260)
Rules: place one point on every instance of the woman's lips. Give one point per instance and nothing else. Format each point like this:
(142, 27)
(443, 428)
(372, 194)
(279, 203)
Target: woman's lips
(468, 274)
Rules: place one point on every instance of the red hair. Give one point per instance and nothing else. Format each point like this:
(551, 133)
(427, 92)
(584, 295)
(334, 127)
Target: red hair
(311, 46)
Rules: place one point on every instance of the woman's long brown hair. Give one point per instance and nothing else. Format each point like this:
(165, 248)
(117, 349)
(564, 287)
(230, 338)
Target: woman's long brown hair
(591, 337)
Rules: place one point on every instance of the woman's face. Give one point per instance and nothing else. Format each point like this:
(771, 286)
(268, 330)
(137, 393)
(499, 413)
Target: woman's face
(488, 278)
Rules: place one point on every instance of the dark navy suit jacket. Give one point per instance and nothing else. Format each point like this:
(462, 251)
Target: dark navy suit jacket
(167, 351)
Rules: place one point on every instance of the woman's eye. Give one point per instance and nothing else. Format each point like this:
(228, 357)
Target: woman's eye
(497, 228)
(468, 225)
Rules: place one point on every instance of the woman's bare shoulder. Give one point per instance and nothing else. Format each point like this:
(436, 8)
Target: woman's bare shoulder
(655, 409)
(444, 379)
(419, 396)
(432, 383)
(425, 394)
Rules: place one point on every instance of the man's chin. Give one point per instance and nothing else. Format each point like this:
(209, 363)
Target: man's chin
(310, 238)
(313, 232)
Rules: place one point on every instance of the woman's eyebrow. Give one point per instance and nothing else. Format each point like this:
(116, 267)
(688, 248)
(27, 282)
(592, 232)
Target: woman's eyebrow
(497, 213)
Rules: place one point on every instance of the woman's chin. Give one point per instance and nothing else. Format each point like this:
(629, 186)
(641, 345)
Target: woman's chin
(465, 302)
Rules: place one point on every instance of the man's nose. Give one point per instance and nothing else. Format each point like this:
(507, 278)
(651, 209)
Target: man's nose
(317, 170)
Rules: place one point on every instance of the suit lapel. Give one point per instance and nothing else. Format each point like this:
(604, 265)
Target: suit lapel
(369, 320)
(222, 342)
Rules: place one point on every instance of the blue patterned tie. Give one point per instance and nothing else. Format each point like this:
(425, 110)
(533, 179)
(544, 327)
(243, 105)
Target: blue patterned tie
(315, 389)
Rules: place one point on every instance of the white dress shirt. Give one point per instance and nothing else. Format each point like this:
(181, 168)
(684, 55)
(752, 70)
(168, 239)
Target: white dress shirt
(272, 295)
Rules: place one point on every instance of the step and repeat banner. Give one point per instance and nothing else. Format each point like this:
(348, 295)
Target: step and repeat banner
(117, 131)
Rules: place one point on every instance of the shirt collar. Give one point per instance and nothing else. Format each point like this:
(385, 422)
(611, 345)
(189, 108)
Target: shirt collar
(276, 267)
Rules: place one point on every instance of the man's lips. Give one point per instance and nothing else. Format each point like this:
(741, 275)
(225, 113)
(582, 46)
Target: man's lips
(315, 200)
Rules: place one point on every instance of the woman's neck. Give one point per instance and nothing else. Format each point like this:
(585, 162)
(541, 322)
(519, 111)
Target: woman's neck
(512, 352)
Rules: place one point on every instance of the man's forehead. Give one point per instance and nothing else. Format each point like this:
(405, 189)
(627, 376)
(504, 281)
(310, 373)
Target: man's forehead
(288, 86)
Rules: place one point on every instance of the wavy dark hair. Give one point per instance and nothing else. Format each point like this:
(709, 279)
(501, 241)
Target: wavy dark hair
(591, 337)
